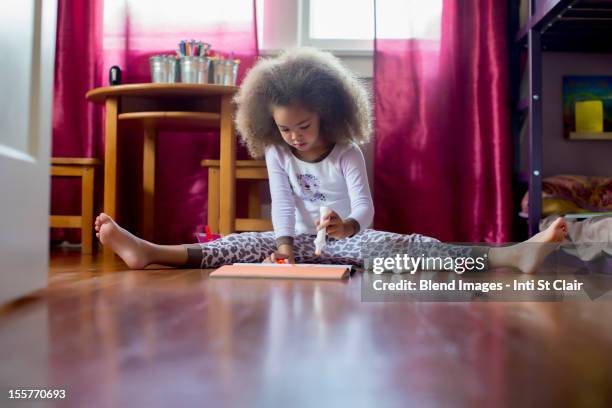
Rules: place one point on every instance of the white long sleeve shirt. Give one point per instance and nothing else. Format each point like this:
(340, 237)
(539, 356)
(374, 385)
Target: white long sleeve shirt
(298, 188)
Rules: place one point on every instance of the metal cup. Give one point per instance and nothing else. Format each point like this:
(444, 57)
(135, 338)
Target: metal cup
(190, 67)
(231, 69)
(225, 72)
(172, 66)
(163, 68)
(203, 69)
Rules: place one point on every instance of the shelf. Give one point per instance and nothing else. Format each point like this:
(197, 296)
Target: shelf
(575, 216)
(585, 215)
(556, 25)
(198, 119)
(571, 25)
(543, 16)
(590, 136)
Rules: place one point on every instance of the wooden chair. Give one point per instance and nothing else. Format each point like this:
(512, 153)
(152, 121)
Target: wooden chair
(245, 170)
(83, 168)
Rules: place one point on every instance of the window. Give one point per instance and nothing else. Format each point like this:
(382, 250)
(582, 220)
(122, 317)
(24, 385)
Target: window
(338, 24)
(318, 23)
(402, 19)
(344, 25)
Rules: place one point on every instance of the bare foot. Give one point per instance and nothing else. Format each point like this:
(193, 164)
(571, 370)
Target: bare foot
(129, 247)
(531, 253)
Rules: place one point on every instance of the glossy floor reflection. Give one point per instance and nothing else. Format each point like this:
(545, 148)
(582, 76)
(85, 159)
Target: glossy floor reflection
(167, 337)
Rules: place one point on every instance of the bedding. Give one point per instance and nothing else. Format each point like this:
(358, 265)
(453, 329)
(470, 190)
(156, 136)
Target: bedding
(565, 194)
(588, 239)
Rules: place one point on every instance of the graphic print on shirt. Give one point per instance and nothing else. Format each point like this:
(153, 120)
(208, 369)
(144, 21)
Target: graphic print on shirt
(309, 188)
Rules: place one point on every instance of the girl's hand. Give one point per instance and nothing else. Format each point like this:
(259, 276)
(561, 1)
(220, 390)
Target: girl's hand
(335, 226)
(284, 252)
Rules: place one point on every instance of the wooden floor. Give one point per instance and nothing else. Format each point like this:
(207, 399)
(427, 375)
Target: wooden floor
(174, 338)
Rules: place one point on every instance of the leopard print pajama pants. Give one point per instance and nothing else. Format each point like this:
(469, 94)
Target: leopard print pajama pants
(252, 247)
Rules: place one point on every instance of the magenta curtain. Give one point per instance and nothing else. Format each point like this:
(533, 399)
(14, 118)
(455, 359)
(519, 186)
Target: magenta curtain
(92, 36)
(76, 124)
(443, 150)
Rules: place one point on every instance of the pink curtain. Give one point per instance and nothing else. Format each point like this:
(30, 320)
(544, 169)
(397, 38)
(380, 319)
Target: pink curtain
(76, 123)
(92, 36)
(442, 120)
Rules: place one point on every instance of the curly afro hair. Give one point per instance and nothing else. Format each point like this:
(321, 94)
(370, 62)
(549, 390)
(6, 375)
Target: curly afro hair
(306, 77)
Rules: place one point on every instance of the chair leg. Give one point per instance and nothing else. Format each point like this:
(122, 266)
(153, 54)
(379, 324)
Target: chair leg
(254, 204)
(214, 189)
(148, 180)
(87, 195)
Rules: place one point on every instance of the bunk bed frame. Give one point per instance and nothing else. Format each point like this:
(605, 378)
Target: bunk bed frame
(552, 25)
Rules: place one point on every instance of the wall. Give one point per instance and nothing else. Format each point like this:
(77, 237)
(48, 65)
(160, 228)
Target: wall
(561, 156)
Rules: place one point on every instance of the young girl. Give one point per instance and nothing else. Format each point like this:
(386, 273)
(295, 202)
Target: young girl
(306, 113)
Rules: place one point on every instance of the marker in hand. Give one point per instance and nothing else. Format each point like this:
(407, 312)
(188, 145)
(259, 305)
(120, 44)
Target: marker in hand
(279, 258)
(320, 240)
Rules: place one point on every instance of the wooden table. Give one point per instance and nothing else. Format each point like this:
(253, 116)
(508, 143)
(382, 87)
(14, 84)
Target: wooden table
(172, 106)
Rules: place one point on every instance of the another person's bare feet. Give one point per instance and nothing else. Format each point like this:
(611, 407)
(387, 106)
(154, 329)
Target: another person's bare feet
(129, 247)
(528, 255)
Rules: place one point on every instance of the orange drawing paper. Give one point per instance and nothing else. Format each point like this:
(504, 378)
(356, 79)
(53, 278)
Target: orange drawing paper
(282, 271)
